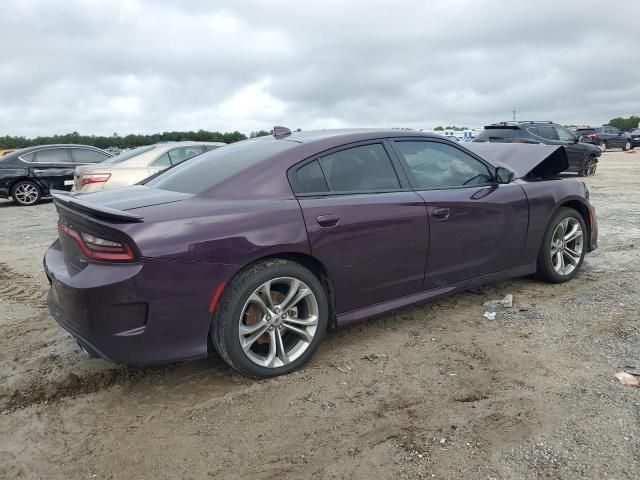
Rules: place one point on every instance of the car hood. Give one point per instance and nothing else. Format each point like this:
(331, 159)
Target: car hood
(523, 159)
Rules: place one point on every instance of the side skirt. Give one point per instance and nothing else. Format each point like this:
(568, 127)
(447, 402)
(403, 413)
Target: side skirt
(355, 316)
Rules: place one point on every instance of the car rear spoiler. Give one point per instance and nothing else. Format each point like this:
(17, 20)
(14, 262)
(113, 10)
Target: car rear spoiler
(523, 159)
(68, 200)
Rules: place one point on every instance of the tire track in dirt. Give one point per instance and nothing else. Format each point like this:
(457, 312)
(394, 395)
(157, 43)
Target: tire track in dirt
(19, 287)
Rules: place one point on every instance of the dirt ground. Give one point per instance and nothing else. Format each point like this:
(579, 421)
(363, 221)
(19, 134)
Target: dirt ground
(433, 391)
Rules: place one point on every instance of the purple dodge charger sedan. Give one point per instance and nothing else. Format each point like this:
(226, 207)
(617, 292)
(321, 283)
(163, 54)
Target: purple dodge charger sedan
(257, 248)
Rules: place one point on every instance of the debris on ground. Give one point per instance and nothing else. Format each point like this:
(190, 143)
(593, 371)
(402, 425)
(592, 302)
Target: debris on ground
(489, 315)
(627, 379)
(631, 371)
(374, 356)
(506, 302)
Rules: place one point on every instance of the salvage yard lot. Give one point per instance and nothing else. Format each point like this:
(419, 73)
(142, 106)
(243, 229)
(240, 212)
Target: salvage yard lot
(432, 391)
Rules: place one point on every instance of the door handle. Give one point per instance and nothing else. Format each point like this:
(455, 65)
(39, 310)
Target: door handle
(328, 220)
(441, 213)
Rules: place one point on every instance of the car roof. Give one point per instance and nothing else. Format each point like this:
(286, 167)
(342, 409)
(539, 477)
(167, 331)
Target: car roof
(33, 148)
(142, 160)
(519, 123)
(344, 135)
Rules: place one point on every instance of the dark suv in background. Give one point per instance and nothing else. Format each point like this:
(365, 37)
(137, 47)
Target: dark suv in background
(605, 137)
(583, 157)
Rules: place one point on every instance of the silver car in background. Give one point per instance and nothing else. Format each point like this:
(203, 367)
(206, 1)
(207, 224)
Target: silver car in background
(130, 167)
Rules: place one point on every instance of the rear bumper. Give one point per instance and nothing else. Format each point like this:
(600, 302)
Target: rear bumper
(147, 312)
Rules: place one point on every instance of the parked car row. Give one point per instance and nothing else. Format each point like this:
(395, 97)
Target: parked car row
(29, 174)
(605, 137)
(583, 157)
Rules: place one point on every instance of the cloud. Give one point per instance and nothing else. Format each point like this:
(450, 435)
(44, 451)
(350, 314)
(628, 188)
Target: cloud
(126, 66)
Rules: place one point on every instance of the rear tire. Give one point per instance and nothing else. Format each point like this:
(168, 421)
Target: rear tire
(26, 193)
(563, 248)
(264, 335)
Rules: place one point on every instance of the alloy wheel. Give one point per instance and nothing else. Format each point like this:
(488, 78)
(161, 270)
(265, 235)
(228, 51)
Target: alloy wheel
(567, 244)
(627, 145)
(27, 193)
(603, 146)
(278, 322)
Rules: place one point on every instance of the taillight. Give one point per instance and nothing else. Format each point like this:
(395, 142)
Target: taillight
(94, 178)
(98, 248)
(592, 136)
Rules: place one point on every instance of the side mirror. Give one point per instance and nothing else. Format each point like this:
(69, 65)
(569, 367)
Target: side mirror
(504, 175)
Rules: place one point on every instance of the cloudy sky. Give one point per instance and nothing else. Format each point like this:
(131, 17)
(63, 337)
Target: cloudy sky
(129, 66)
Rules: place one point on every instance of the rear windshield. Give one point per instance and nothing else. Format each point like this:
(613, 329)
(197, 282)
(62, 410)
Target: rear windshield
(497, 134)
(212, 168)
(130, 154)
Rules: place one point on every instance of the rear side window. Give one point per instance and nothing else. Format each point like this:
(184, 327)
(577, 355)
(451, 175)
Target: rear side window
(359, 169)
(310, 179)
(208, 148)
(163, 161)
(437, 165)
(497, 134)
(52, 155)
(544, 132)
(179, 155)
(85, 155)
(212, 168)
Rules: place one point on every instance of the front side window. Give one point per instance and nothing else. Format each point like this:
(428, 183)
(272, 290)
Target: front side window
(179, 155)
(438, 165)
(360, 169)
(85, 155)
(52, 155)
(564, 135)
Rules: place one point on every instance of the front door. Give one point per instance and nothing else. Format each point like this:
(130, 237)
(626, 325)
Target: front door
(365, 224)
(476, 226)
(52, 168)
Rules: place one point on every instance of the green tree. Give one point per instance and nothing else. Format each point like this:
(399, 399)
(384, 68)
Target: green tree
(625, 123)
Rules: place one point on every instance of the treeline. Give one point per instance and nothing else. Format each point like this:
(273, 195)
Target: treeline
(127, 141)
(625, 124)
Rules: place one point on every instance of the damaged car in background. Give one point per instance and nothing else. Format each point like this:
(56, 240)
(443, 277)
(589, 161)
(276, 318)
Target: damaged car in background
(257, 248)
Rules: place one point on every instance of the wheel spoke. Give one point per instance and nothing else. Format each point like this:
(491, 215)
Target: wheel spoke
(302, 332)
(265, 290)
(257, 299)
(575, 232)
(281, 352)
(293, 289)
(305, 322)
(303, 292)
(249, 329)
(247, 342)
(573, 259)
(271, 356)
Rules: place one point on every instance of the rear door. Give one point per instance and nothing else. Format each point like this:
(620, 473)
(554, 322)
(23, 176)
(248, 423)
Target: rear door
(364, 222)
(53, 168)
(476, 226)
(87, 156)
(575, 150)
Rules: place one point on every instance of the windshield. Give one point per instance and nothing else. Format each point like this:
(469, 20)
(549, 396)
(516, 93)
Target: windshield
(212, 168)
(130, 154)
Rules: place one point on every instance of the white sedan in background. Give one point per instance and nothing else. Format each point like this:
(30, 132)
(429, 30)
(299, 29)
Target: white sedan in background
(133, 166)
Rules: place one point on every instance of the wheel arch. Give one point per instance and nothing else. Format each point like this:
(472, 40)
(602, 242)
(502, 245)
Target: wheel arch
(582, 209)
(43, 190)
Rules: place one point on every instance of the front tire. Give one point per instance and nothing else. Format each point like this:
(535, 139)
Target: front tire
(603, 146)
(627, 146)
(25, 193)
(563, 247)
(270, 319)
(589, 167)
